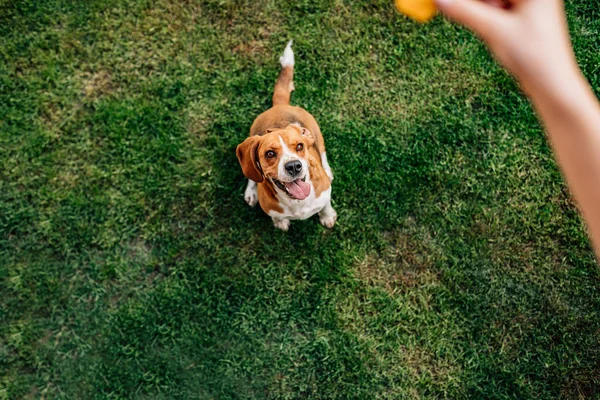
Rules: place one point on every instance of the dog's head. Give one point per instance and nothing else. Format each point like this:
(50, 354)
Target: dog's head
(281, 157)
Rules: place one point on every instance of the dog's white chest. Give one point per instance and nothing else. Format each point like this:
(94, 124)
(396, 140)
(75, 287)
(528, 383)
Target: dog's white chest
(302, 209)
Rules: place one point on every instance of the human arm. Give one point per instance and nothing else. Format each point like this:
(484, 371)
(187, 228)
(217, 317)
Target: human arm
(530, 38)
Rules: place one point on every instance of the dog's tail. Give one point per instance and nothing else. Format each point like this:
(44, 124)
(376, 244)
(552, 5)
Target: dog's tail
(285, 82)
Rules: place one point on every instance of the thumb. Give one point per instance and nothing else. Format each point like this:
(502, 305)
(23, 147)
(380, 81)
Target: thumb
(479, 16)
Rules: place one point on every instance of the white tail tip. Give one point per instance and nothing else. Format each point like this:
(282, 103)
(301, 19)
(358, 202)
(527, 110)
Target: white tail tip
(287, 59)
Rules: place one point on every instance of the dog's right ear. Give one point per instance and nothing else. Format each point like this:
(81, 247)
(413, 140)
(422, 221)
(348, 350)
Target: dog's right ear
(247, 154)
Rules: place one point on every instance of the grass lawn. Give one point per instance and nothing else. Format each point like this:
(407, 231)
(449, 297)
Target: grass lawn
(130, 266)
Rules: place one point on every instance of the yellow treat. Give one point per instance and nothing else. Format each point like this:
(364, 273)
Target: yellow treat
(419, 10)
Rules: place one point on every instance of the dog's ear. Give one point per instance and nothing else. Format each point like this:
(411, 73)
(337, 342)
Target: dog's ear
(247, 154)
(309, 137)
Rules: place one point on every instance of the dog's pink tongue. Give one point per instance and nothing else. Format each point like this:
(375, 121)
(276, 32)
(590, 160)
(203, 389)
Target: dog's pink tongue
(300, 190)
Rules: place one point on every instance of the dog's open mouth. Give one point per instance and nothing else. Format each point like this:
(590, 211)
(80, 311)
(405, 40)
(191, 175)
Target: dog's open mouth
(297, 189)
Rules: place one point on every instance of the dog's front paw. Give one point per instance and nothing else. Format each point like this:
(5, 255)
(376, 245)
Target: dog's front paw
(283, 224)
(328, 222)
(327, 216)
(251, 194)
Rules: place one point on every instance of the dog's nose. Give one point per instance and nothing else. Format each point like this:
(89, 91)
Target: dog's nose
(293, 167)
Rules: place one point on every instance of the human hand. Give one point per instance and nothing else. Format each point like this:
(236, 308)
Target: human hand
(529, 37)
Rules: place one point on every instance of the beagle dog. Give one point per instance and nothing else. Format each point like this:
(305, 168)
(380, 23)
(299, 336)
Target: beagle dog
(284, 159)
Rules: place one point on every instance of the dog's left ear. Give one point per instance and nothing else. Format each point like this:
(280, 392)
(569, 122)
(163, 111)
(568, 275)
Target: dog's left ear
(247, 154)
(309, 137)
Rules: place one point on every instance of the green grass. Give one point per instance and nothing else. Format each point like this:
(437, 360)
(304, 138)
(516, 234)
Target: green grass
(130, 266)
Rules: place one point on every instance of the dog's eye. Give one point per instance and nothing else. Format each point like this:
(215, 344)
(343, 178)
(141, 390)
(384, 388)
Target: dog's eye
(270, 154)
(299, 147)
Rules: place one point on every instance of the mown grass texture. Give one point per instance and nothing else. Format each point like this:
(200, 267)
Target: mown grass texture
(131, 267)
